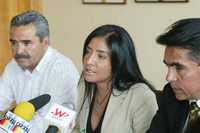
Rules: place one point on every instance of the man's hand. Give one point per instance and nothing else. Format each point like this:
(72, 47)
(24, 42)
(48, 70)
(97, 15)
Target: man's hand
(12, 106)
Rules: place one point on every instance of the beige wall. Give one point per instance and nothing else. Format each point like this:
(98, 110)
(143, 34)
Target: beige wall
(71, 21)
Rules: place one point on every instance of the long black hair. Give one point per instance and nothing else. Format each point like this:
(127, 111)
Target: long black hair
(125, 68)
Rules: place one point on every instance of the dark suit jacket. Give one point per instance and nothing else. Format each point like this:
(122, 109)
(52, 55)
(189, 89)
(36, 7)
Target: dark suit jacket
(172, 114)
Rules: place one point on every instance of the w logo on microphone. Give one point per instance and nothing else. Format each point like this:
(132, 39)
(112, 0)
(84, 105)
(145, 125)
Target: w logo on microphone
(61, 116)
(59, 113)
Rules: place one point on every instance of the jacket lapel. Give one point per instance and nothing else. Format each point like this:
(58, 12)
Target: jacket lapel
(182, 111)
(115, 101)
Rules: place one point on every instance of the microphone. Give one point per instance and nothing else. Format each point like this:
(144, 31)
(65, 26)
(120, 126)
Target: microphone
(26, 110)
(17, 122)
(60, 119)
(52, 129)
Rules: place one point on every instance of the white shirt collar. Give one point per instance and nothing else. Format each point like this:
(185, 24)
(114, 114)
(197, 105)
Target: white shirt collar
(197, 102)
(42, 63)
(44, 59)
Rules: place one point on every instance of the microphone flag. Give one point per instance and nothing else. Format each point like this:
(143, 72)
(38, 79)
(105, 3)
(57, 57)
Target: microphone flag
(11, 123)
(62, 117)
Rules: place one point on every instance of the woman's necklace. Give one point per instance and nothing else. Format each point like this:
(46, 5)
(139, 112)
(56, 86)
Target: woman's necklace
(98, 104)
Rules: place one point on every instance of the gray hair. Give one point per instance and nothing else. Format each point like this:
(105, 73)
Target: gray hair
(35, 18)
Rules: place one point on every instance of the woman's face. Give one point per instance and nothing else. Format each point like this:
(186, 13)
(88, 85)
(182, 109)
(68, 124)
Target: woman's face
(97, 62)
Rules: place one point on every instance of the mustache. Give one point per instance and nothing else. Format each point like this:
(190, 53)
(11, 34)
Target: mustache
(21, 56)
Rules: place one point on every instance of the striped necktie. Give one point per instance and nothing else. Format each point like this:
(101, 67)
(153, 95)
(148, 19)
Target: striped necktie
(193, 125)
(194, 112)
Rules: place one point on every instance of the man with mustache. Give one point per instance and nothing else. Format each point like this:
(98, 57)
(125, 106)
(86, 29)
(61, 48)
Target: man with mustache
(182, 58)
(36, 68)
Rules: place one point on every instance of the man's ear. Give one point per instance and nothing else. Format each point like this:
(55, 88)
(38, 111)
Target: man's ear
(46, 41)
(199, 67)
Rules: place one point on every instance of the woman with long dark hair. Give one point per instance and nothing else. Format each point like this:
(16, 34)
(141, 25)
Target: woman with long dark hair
(114, 97)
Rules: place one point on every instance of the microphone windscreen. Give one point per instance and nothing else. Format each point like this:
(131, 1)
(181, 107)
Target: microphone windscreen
(52, 129)
(25, 110)
(40, 101)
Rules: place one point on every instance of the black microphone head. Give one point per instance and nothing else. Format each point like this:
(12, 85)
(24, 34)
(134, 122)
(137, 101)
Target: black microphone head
(52, 129)
(40, 101)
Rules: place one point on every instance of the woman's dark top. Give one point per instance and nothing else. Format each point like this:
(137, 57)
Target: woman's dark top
(89, 127)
